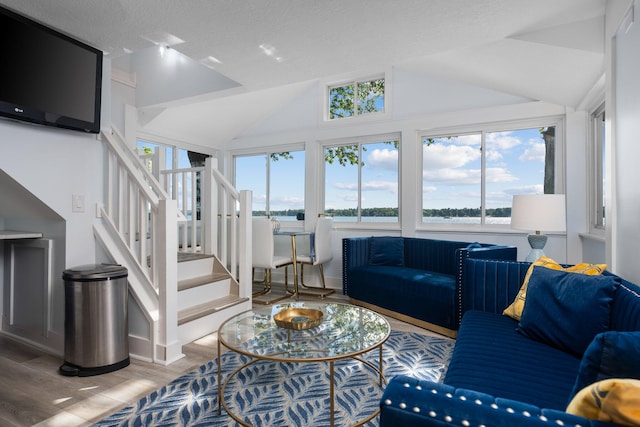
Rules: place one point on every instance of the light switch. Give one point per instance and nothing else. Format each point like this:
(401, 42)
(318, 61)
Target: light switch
(77, 203)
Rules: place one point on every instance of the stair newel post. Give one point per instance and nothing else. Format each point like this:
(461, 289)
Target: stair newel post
(208, 204)
(244, 241)
(168, 348)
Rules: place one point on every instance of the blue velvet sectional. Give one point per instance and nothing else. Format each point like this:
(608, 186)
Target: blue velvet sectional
(509, 373)
(413, 279)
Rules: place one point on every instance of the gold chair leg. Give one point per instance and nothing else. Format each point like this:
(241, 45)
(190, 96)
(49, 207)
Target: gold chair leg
(319, 291)
(268, 286)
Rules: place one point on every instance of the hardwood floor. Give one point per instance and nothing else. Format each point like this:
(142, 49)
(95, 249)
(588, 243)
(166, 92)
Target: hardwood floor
(33, 393)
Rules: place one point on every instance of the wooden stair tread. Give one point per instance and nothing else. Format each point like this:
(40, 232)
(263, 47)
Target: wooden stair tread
(205, 309)
(191, 256)
(201, 280)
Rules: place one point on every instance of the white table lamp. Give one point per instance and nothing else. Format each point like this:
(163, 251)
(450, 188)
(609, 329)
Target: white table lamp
(538, 212)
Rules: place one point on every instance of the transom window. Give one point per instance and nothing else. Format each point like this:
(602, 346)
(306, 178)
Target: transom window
(361, 179)
(356, 98)
(470, 178)
(276, 180)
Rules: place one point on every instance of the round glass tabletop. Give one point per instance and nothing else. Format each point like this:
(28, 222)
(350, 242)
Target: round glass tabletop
(345, 331)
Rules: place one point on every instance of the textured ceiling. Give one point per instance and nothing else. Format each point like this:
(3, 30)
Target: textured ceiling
(551, 50)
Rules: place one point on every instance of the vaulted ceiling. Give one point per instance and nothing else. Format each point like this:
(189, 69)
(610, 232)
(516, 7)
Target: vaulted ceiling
(267, 51)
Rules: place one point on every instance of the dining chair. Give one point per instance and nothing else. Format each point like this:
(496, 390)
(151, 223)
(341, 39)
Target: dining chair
(262, 250)
(319, 253)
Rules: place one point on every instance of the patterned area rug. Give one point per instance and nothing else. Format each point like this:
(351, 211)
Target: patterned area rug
(286, 394)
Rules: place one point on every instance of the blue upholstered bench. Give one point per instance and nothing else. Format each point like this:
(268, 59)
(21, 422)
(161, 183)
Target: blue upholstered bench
(412, 279)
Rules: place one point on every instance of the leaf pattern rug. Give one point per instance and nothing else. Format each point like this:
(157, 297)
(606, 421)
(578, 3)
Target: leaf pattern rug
(286, 394)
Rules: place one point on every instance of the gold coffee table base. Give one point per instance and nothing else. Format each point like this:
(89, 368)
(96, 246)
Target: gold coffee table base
(222, 386)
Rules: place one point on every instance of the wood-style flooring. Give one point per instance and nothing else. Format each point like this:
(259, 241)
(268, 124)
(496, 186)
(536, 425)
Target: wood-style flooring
(33, 393)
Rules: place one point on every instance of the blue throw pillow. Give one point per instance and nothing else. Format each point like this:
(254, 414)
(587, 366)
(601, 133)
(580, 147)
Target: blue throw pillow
(386, 250)
(567, 310)
(611, 354)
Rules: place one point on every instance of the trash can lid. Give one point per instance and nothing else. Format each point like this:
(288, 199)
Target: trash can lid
(92, 272)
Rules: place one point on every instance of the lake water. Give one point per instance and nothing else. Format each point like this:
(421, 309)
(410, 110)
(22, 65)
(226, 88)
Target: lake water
(426, 220)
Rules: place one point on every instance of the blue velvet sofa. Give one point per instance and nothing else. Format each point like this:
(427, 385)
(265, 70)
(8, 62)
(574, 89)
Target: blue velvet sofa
(502, 374)
(415, 280)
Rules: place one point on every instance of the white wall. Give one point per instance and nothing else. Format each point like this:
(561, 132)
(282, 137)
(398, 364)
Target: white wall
(626, 149)
(55, 164)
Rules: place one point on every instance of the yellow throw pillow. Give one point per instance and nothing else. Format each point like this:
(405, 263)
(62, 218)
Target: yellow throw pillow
(613, 400)
(515, 309)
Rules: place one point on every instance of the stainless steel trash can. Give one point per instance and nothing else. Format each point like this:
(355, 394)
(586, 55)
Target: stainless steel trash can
(96, 330)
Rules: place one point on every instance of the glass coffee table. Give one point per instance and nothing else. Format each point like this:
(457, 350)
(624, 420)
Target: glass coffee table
(346, 331)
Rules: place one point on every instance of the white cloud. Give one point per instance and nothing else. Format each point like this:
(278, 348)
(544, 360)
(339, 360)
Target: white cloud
(346, 186)
(526, 189)
(452, 176)
(439, 156)
(502, 141)
(383, 159)
(380, 186)
(493, 156)
(369, 185)
(499, 175)
(535, 152)
(284, 202)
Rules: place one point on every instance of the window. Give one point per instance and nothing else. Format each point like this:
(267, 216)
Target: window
(598, 212)
(361, 180)
(356, 98)
(276, 180)
(470, 178)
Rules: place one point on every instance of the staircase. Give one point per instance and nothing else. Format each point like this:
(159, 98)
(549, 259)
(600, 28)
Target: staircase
(180, 278)
(203, 278)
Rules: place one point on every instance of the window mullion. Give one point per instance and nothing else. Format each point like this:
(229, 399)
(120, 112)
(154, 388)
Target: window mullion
(483, 177)
(268, 183)
(359, 182)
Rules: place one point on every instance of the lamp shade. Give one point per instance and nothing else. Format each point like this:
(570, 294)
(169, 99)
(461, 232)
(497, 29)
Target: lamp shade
(539, 212)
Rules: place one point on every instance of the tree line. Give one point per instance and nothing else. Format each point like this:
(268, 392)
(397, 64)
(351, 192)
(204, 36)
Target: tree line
(393, 212)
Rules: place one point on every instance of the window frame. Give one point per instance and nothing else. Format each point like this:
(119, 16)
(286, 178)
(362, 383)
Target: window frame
(267, 152)
(360, 140)
(326, 96)
(596, 170)
(483, 128)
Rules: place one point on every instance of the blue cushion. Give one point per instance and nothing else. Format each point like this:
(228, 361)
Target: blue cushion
(491, 357)
(567, 310)
(611, 354)
(386, 250)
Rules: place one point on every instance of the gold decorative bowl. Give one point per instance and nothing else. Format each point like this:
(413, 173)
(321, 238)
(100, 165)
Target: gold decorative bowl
(298, 318)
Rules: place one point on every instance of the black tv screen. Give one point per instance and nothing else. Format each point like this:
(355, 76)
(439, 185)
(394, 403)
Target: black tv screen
(47, 77)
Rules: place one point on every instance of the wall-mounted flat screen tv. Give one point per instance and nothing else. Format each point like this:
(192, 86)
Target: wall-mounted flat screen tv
(47, 77)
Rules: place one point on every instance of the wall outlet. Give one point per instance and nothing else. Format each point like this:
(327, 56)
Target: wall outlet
(77, 203)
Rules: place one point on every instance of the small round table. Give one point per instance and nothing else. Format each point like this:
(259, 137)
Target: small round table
(347, 331)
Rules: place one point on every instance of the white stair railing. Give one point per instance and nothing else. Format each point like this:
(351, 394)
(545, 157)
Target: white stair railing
(213, 227)
(140, 213)
(145, 219)
(182, 186)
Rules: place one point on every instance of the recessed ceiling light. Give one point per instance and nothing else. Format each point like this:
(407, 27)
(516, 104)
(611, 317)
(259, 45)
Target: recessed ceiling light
(163, 39)
(210, 61)
(271, 51)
